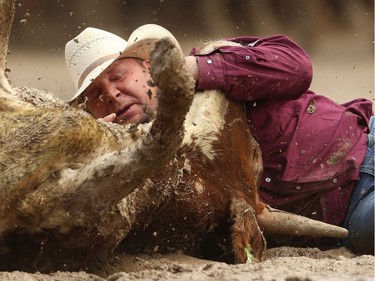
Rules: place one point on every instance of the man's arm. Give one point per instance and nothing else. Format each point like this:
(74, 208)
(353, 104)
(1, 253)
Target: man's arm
(260, 68)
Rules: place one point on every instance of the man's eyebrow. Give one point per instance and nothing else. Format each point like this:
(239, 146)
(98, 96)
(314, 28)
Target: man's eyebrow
(116, 63)
(115, 66)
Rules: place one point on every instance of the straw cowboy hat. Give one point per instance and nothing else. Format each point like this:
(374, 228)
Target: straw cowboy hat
(93, 50)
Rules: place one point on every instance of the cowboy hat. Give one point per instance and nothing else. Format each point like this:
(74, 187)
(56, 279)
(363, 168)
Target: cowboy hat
(93, 50)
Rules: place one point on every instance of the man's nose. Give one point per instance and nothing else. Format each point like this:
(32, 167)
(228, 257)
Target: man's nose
(111, 93)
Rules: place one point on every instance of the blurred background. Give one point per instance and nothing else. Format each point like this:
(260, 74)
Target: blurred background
(337, 34)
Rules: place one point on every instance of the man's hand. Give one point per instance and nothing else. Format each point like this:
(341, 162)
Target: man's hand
(109, 118)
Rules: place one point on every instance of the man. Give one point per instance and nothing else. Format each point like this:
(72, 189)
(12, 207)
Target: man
(317, 154)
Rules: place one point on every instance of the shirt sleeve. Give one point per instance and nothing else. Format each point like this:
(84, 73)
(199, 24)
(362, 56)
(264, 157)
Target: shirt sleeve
(258, 69)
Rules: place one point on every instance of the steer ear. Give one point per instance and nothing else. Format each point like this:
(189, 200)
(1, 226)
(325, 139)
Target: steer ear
(274, 221)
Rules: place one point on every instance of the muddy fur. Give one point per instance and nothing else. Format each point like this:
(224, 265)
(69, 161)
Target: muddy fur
(62, 172)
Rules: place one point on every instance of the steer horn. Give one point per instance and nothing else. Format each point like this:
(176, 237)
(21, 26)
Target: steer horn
(276, 221)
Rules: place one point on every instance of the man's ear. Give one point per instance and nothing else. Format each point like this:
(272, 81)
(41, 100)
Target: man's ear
(147, 64)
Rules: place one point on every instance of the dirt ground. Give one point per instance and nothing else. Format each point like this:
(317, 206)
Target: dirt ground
(340, 72)
(284, 263)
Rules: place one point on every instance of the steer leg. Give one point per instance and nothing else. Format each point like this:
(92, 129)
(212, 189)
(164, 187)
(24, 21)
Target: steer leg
(246, 233)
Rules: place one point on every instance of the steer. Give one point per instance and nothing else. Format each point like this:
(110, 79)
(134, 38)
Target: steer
(62, 172)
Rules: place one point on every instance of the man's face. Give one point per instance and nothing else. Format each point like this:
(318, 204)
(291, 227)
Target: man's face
(124, 88)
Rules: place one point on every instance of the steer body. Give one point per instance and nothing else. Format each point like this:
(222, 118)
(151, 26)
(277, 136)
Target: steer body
(204, 201)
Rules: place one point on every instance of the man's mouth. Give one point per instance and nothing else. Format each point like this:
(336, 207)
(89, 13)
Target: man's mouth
(121, 114)
(123, 110)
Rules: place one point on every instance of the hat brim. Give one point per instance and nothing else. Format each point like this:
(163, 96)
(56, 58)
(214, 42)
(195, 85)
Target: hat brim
(140, 43)
(89, 78)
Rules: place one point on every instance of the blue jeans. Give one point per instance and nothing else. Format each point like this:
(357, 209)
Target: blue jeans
(360, 217)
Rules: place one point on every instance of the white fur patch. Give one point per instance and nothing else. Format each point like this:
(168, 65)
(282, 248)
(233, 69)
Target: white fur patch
(205, 120)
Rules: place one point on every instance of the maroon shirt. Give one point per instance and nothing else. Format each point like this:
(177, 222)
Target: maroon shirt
(312, 147)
